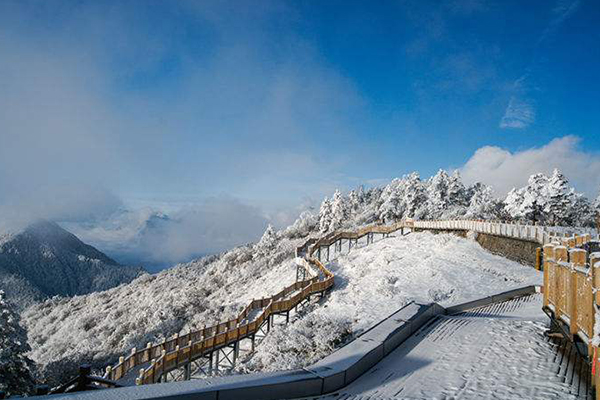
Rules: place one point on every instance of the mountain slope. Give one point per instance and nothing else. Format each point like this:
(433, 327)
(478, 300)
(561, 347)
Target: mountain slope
(99, 327)
(370, 284)
(44, 260)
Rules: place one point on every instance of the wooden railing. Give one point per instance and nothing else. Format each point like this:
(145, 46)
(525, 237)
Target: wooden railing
(179, 351)
(571, 287)
(529, 232)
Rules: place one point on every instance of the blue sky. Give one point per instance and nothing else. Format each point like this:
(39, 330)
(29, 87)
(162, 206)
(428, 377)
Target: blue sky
(275, 103)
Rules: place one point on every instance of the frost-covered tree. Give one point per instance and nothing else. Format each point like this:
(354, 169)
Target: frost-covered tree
(458, 198)
(303, 226)
(415, 197)
(368, 211)
(580, 211)
(558, 199)
(391, 207)
(437, 194)
(528, 203)
(535, 198)
(457, 193)
(596, 211)
(339, 211)
(513, 202)
(325, 215)
(15, 367)
(483, 204)
(267, 241)
(354, 202)
(361, 195)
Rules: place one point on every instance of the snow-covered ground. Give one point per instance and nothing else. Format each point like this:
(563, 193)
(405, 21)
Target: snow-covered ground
(373, 282)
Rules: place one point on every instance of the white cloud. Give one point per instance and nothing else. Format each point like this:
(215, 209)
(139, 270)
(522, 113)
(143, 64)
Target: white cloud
(504, 170)
(520, 112)
(518, 115)
(156, 239)
(84, 123)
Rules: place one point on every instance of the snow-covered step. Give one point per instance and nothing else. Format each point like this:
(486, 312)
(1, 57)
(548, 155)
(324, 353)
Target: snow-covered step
(496, 351)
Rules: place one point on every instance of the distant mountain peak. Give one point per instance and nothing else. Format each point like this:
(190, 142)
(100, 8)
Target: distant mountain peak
(49, 260)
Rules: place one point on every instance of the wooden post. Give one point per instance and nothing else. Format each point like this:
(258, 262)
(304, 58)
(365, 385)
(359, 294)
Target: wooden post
(538, 259)
(577, 257)
(560, 256)
(594, 264)
(548, 259)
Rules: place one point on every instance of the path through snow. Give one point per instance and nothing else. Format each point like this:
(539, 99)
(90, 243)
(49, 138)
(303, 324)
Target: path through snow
(497, 352)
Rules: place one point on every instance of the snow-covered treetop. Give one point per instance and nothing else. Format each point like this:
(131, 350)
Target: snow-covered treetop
(545, 199)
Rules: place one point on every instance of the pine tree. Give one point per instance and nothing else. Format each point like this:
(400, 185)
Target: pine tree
(558, 199)
(437, 194)
(361, 195)
(391, 208)
(596, 211)
(15, 368)
(415, 198)
(457, 193)
(532, 199)
(513, 203)
(580, 211)
(339, 212)
(458, 199)
(268, 239)
(325, 215)
(353, 202)
(483, 204)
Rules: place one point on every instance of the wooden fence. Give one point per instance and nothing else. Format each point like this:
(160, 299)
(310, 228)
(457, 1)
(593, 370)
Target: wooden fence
(528, 232)
(572, 293)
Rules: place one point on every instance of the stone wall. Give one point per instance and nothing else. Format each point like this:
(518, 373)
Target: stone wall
(514, 249)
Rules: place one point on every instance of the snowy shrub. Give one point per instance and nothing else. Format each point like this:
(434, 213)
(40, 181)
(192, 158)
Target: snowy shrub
(301, 343)
(302, 227)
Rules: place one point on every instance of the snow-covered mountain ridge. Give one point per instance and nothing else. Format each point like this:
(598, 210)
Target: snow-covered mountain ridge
(44, 260)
